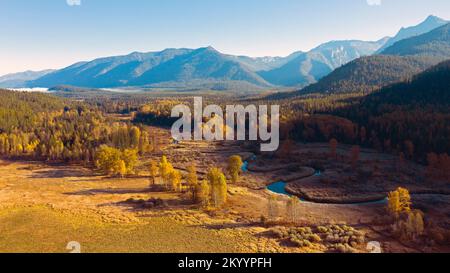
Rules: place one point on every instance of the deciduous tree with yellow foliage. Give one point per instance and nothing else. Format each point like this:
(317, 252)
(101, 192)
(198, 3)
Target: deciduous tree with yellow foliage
(408, 224)
(234, 167)
(192, 181)
(292, 209)
(112, 161)
(202, 194)
(165, 168)
(218, 184)
(153, 169)
(122, 169)
(399, 201)
(175, 180)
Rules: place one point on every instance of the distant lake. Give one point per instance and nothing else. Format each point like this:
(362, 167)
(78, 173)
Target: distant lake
(119, 90)
(37, 89)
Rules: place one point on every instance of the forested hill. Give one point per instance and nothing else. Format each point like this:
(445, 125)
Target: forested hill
(368, 74)
(42, 127)
(429, 87)
(411, 117)
(397, 63)
(435, 44)
(19, 109)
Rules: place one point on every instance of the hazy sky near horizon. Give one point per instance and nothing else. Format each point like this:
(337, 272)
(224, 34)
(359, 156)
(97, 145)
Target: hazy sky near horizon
(45, 34)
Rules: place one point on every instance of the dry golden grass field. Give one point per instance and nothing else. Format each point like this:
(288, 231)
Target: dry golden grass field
(45, 206)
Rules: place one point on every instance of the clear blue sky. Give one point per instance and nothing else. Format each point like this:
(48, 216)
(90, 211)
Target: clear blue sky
(39, 34)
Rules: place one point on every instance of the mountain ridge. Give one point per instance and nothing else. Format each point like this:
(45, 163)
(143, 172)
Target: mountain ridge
(141, 69)
(435, 43)
(207, 66)
(311, 66)
(370, 73)
(398, 62)
(434, 80)
(430, 23)
(17, 80)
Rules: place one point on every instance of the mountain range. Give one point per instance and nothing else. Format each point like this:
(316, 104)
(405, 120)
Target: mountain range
(207, 65)
(17, 80)
(309, 67)
(398, 62)
(209, 68)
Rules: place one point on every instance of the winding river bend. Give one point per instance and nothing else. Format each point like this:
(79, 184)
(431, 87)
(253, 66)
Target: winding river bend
(279, 187)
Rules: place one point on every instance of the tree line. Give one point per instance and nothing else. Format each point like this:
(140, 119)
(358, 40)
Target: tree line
(43, 127)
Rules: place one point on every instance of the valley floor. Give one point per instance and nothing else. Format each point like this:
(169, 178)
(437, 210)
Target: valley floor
(45, 206)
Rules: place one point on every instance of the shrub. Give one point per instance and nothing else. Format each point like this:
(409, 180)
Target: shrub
(339, 238)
